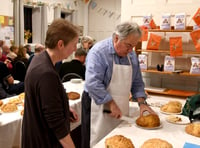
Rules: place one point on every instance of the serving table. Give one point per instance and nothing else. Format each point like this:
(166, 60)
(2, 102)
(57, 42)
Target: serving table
(173, 133)
(10, 123)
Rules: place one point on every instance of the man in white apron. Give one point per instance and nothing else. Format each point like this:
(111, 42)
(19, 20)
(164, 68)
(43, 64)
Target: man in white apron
(112, 72)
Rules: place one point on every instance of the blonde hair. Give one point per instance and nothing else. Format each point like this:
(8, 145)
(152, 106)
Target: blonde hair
(87, 39)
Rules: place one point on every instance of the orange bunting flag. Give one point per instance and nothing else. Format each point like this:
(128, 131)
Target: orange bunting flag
(86, 1)
(144, 33)
(195, 35)
(196, 17)
(154, 42)
(152, 24)
(175, 44)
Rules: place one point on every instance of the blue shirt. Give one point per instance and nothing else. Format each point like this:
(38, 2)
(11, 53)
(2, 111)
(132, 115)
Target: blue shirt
(99, 66)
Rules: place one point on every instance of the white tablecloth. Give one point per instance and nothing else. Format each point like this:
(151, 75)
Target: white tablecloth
(75, 104)
(10, 123)
(173, 133)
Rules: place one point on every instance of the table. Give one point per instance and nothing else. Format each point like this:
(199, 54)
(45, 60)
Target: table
(75, 104)
(173, 133)
(10, 123)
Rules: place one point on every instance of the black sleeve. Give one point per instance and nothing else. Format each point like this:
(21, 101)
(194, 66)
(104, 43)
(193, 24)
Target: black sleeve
(4, 72)
(83, 72)
(54, 107)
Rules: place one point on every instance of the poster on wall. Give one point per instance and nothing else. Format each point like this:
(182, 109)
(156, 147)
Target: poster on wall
(142, 61)
(169, 64)
(6, 29)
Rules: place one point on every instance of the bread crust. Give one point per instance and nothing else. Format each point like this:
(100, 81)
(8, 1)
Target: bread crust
(118, 141)
(172, 107)
(156, 143)
(8, 108)
(150, 120)
(73, 95)
(1, 103)
(193, 129)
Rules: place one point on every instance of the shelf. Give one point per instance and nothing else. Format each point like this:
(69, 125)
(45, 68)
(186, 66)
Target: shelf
(185, 73)
(174, 92)
(167, 51)
(158, 30)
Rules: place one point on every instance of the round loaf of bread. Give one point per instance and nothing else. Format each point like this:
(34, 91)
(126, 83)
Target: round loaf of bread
(150, 120)
(172, 107)
(156, 143)
(118, 141)
(1, 102)
(15, 100)
(73, 95)
(193, 129)
(8, 108)
(22, 112)
(21, 96)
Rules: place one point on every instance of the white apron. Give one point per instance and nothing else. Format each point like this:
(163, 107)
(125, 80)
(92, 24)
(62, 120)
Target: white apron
(119, 88)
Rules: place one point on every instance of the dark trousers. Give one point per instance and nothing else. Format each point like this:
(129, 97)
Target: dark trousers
(16, 88)
(85, 120)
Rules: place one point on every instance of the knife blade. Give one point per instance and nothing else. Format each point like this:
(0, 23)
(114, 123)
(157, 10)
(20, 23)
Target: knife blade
(124, 118)
(128, 119)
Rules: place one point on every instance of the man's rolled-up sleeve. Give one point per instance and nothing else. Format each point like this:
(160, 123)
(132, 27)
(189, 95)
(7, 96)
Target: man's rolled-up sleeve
(95, 74)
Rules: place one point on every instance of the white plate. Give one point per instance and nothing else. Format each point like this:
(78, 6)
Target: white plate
(150, 128)
(184, 119)
(167, 113)
(76, 80)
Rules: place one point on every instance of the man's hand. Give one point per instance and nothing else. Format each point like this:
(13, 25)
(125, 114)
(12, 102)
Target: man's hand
(115, 110)
(145, 107)
(73, 115)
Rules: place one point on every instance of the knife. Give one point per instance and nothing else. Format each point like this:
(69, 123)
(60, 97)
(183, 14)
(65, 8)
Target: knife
(128, 119)
(125, 118)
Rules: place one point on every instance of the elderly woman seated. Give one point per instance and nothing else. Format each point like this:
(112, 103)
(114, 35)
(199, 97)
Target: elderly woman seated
(87, 42)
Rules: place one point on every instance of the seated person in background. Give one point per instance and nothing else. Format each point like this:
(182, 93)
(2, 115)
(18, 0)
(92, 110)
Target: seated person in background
(21, 56)
(20, 64)
(28, 49)
(75, 66)
(7, 81)
(38, 49)
(5, 50)
(3, 93)
(6, 61)
(1, 43)
(13, 53)
(87, 42)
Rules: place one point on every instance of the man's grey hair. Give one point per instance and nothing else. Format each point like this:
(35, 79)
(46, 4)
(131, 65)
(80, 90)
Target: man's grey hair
(126, 28)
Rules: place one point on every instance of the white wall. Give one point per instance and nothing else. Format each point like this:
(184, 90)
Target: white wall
(6, 8)
(101, 24)
(134, 10)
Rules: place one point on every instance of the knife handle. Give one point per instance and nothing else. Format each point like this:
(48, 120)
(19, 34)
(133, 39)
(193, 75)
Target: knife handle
(106, 111)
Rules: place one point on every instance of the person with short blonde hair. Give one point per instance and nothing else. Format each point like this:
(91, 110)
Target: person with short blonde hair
(87, 42)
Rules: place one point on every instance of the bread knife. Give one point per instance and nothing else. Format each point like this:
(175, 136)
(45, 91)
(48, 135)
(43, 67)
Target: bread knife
(128, 119)
(125, 118)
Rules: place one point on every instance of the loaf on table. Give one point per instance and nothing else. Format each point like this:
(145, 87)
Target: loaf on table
(193, 129)
(172, 107)
(156, 143)
(149, 121)
(118, 141)
(73, 95)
